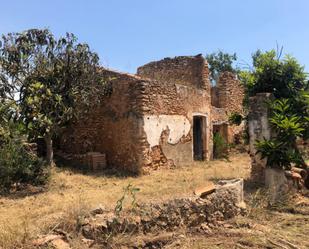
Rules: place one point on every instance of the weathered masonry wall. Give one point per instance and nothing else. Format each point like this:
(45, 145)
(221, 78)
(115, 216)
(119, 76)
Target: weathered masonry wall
(182, 70)
(177, 93)
(162, 117)
(230, 92)
(226, 98)
(113, 127)
(259, 128)
(215, 97)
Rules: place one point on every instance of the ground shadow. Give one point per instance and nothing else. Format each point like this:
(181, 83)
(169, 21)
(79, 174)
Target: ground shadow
(109, 172)
(26, 190)
(23, 191)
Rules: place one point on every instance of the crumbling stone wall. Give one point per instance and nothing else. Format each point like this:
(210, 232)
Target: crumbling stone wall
(147, 122)
(215, 97)
(228, 96)
(189, 212)
(182, 70)
(230, 92)
(179, 89)
(113, 127)
(259, 128)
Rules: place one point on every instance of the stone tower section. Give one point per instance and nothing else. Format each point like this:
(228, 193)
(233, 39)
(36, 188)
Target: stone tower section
(230, 93)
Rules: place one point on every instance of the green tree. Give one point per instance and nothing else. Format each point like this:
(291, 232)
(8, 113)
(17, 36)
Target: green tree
(282, 77)
(287, 80)
(5, 131)
(51, 80)
(220, 62)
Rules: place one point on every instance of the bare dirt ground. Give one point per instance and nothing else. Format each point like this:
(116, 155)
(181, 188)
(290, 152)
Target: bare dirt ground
(71, 194)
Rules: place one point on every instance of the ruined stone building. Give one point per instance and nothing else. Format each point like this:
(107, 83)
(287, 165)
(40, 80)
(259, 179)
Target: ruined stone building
(163, 116)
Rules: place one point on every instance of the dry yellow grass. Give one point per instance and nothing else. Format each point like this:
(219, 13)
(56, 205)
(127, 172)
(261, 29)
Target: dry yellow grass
(70, 193)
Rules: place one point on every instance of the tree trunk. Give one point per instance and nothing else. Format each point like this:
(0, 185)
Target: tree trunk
(49, 150)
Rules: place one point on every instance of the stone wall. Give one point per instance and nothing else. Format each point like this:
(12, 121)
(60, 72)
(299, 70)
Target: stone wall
(179, 89)
(114, 127)
(230, 92)
(181, 70)
(228, 95)
(189, 212)
(147, 122)
(259, 128)
(215, 97)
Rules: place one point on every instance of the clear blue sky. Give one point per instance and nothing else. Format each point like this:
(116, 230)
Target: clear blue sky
(130, 33)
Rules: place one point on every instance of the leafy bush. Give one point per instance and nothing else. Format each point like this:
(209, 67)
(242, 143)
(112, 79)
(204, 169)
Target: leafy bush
(220, 146)
(236, 118)
(283, 77)
(287, 80)
(282, 149)
(19, 165)
(278, 155)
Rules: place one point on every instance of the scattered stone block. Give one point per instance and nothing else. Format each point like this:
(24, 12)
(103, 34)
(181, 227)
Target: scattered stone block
(60, 244)
(54, 240)
(232, 188)
(206, 190)
(98, 210)
(46, 239)
(96, 160)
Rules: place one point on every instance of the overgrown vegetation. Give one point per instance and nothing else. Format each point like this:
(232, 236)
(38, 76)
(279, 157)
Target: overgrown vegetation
(51, 80)
(236, 118)
(220, 149)
(220, 62)
(18, 163)
(282, 150)
(287, 81)
(45, 83)
(128, 192)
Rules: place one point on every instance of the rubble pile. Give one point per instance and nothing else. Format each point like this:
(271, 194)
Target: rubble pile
(226, 201)
(298, 176)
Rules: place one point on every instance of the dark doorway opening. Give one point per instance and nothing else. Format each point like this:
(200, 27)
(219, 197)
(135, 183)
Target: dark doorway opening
(199, 137)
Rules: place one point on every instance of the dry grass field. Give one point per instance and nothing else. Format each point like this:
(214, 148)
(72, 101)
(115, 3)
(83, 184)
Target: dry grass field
(71, 194)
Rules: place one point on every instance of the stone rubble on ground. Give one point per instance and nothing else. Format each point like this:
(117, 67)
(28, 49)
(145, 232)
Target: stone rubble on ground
(203, 212)
(205, 190)
(188, 212)
(55, 240)
(98, 210)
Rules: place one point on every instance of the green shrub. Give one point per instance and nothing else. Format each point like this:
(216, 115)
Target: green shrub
(281, 151)
(18, 165)
(220, 146)
(236, 118)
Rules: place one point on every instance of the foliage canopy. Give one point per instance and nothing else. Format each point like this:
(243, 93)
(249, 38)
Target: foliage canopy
(287, 81)
(51, 80)
(220, 62)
